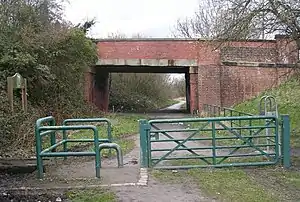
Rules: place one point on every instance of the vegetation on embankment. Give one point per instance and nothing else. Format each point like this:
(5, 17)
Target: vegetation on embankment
(287, 96)
(52, 55)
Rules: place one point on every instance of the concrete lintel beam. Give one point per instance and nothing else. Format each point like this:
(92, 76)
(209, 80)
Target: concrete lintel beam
(148, 62)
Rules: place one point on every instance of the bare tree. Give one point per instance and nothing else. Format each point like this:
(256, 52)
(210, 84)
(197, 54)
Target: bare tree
(210, 19)
(236, 19)
(202, 23)
(244, 19)
(279, 17)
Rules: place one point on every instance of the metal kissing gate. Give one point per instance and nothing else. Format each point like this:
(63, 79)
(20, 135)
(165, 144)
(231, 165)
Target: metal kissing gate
(215, 142)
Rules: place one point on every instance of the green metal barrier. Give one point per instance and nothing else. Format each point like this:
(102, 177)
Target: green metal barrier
(212, 142)
(217, 111)
(94, 120)
(50, 129)
(267, 107)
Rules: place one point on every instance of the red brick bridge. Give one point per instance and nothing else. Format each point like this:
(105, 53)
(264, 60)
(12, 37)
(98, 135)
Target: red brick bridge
(221, 73)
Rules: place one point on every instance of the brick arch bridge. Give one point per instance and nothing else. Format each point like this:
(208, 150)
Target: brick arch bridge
(216, 73)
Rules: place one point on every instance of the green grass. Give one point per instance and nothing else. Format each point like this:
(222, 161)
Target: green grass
(289, 177)
(232, 184)
(92, 196)
(123, 126)
(223, 184)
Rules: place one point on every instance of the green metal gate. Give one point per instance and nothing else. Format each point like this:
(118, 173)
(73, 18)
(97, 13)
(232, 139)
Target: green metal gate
(214, 142)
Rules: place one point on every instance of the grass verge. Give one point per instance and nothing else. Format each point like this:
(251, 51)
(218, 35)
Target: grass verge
(261, 184)
(102, 195)
(222, 184)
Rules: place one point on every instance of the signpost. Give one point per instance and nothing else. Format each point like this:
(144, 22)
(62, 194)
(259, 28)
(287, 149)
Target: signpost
(17, 82)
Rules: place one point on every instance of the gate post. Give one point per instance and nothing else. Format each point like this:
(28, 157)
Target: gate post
(144, 150)
(286, 160)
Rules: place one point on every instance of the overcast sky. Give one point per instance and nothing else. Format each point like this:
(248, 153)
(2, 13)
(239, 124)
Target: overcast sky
(154, 18)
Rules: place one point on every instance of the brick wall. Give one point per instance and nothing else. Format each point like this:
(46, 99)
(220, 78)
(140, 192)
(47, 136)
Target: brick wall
(147, 49)
(217, 84)
(242, 83)
(209, 90)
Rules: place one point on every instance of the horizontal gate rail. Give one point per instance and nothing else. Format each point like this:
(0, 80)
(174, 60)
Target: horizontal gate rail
(214, 110)
(210, 142)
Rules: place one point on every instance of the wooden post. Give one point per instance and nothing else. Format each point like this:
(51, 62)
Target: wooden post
(10, 92)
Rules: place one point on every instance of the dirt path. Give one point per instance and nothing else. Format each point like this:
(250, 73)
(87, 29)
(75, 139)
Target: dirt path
(157, 191)
(161, 192)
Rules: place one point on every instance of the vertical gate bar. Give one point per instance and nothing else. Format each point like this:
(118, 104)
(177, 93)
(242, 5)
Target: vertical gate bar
(65, 144)
(109, 136)
(231, 119)
(281, 139)
(149, 149)
(277, 153)
(224, 112)
(52, 136)
(213, 125)
(97, 152)
(144, 144)
(250, 124)
(286, 141)
(240, 123)
(38, 148)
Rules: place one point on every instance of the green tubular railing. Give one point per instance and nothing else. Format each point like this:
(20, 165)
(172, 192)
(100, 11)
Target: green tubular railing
(49, 121)
(87, 120)
(211, 110)
(46, 127)
(227, 112)
(209, 130)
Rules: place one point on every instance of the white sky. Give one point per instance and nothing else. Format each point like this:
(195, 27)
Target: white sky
(153, 18)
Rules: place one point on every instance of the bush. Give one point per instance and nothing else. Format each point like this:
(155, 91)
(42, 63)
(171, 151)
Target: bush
(140, 92)
(36, 42)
